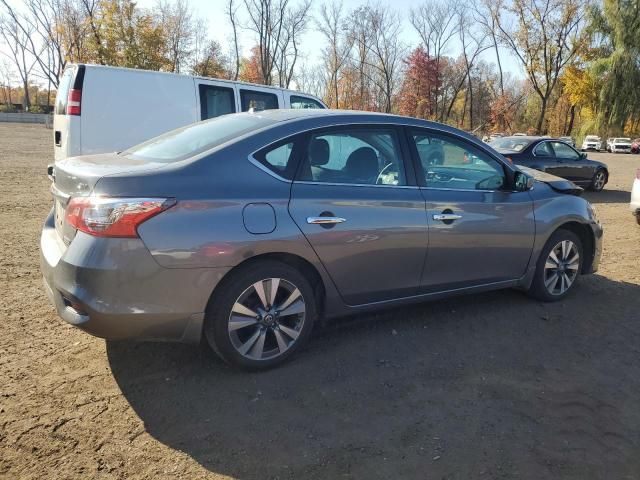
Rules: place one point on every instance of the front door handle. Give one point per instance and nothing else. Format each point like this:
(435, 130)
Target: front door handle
(325, 220)
(444, 217)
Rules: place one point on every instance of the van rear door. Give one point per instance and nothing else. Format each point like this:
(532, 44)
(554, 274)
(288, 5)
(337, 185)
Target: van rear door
(66, 114)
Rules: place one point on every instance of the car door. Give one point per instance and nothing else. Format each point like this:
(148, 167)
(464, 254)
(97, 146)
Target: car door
(356, 205)
(572, 165)
(215, 98)
(480, 232)
(544, 159)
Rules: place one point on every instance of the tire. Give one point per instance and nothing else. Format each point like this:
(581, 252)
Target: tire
(269, 338)
(543, 286)
(599, 180)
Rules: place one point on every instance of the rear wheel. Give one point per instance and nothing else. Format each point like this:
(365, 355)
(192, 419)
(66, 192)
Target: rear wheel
(261, 315)
(599, 180)
(558, 267)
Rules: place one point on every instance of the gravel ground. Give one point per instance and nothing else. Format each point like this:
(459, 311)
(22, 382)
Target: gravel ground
(486, 386)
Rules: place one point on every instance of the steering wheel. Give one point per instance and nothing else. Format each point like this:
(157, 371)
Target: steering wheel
(379, 177)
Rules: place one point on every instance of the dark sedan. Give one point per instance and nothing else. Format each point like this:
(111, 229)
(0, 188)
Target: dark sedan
(556, 157)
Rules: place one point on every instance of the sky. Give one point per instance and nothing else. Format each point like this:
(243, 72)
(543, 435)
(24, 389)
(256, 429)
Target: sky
(313, 42)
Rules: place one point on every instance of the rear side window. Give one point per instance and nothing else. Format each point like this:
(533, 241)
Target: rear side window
(304, 102)
(258, 100)
(216, 101)
(63, 91)
(279, 158)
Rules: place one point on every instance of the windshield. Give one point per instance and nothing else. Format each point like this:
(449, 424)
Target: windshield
(592, 138)
(622, 140)
(510, 143)
(199, 137)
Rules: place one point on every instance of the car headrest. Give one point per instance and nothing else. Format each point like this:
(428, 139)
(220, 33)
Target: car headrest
(362, 164)
(319, 152)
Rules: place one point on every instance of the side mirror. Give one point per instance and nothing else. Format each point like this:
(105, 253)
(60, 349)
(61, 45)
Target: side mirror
(523, 182)
(583, 155)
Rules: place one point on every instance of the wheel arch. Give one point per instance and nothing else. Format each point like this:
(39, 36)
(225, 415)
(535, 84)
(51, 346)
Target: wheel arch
(586, 236)
(307, 269)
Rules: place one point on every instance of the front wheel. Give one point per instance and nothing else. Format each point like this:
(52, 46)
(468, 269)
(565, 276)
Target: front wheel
(558, 267)
(599, 180)
(261, 315)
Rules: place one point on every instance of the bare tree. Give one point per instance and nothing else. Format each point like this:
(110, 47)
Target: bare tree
(177, 20)
(336, 53)
(232, 14)
(266, 20)
(361, 35)
(16, 37)
(387, 52)
(545, 37)
(294, 25)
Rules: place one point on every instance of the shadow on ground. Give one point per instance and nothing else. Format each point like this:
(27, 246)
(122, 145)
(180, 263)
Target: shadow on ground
(608, 196)
(494, 384)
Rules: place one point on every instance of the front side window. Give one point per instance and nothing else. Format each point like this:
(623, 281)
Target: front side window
(453, 164)
(258, 100)
(216, 101)
(543, 150)
(563, 150)
(359, 156)
(304, 102)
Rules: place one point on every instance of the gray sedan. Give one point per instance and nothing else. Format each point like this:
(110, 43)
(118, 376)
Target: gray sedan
(247, 228)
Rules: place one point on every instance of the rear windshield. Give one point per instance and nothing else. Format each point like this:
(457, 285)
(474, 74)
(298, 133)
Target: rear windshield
(193, 139)
(510, 143)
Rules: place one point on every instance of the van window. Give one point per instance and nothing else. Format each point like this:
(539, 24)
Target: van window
(216, 101)
(199, 137)
(258, 100)
(63, 91)
(304, 102)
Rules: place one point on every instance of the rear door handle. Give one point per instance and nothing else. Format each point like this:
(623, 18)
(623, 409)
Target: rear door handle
(325, 220)
(443, 217)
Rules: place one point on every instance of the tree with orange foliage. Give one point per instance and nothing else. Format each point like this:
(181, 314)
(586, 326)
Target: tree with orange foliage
(420, 83)
(250, 69)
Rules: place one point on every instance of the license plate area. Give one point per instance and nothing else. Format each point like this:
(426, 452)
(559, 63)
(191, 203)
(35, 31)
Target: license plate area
(60, 212)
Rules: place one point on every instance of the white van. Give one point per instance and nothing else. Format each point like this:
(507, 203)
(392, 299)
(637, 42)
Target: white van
(107, 109)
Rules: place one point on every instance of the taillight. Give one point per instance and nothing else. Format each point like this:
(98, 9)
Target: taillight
(113, 217)
(74, 101)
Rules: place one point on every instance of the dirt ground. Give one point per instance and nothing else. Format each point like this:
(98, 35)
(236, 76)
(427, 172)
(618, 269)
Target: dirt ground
(487, 386)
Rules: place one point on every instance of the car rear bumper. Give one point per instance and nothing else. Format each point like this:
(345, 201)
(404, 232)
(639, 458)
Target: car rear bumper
(113, 288)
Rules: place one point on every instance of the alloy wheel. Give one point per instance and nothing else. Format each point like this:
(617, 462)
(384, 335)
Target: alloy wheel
(598, 181)
(561, 267)
(266, 319)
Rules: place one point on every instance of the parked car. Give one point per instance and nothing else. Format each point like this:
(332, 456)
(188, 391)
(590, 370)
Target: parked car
(635, 146)
(102, 109)
(568, 140)
(620, 145)
(608, 144)
(556, 157)
(246, 228)
(591, 142)
(635, 197)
